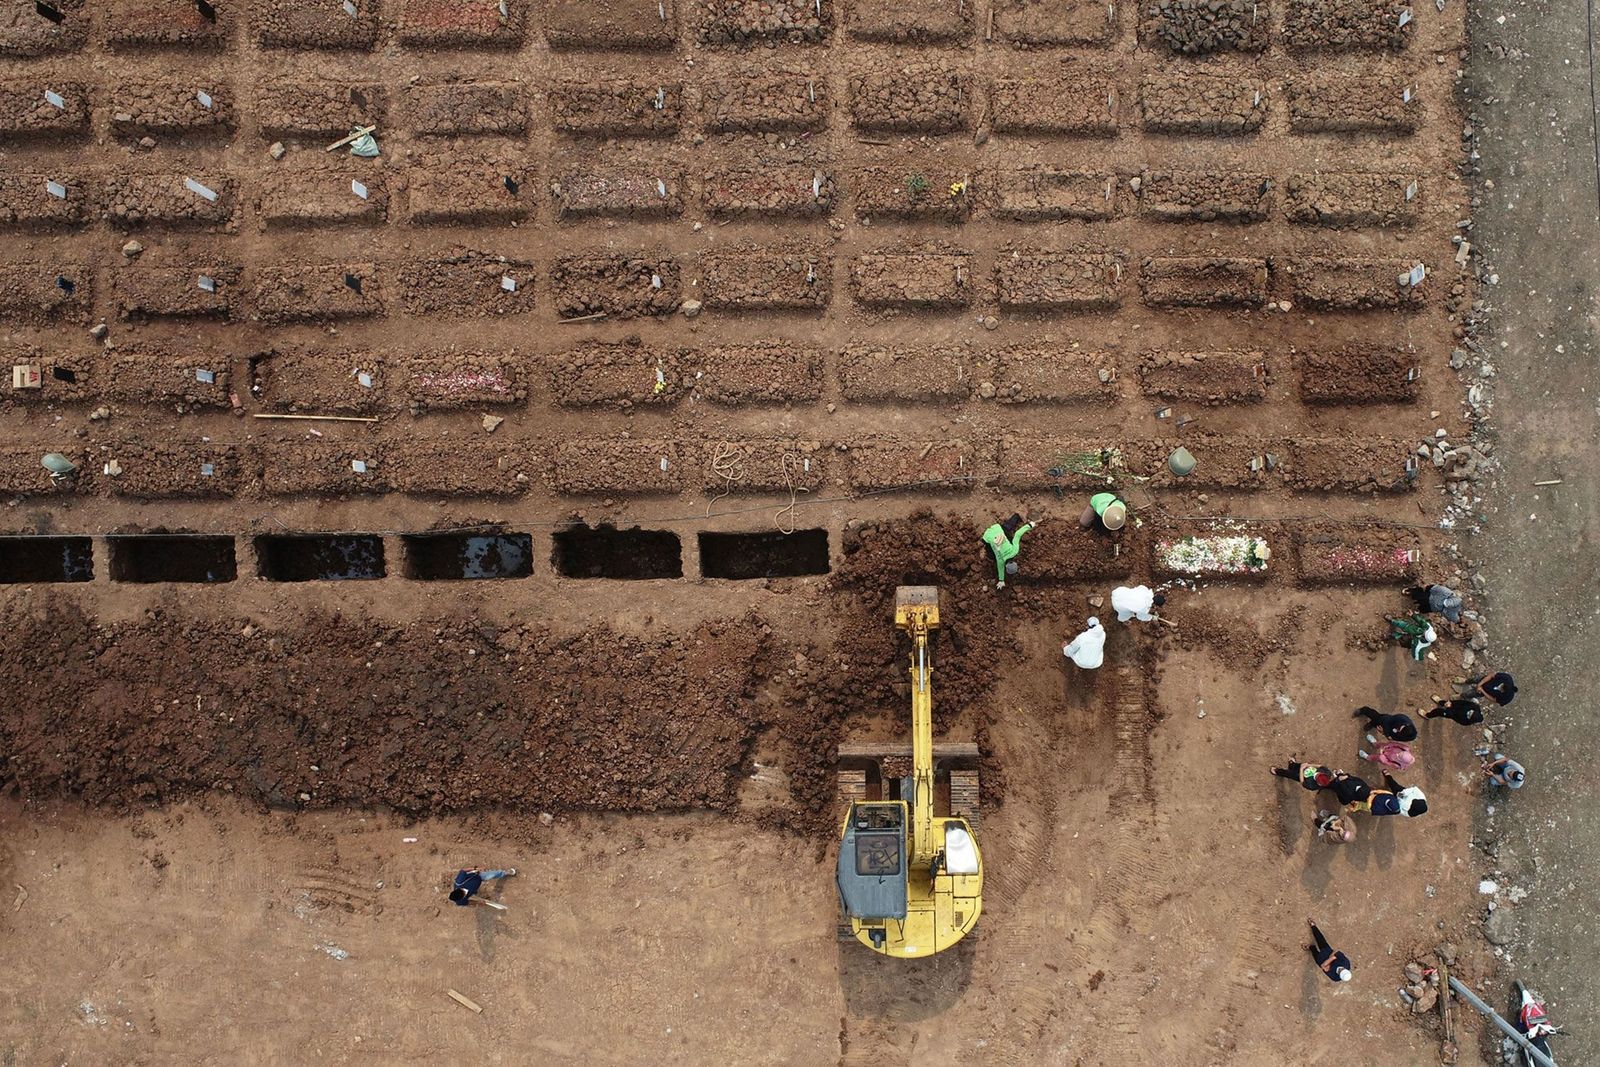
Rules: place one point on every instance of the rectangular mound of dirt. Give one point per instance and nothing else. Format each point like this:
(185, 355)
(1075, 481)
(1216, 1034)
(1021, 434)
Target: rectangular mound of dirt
(21, 475)
(324, 24)
(467, 108)
(317, 293)
(325, 468)
(920, 99)
(1335, 555)
(1029, 462)
(167, 373)
(1361, 373)
(24, 32)
(934, 188)
(752, 21)
(133, 24)
(772, 465)
(781, 190)
(754, 101)
(134, 199)
(1379, 101)
(462, 23)
(475, 466)
(65, 378)
(171, 471)
(913, 279)
(910, 21)
(926, 466)
(1033, 280)
(26, 112)
(34, 292)
(618, 109)
(1331, 464)
(596, 466)
(1040, 193)
(634, 25)
(466, 283)
(1346, 24)
(1238, 552)
(616, 374)
(199, 291)
(1082, 104)
(1192, 102)
(458, 380)
(1050, 374)
(26, 202)
(320, 195)
(1198, 196)
(1053, 23)
(321, 109)
(904, 374)
(1222, 461)
(476, 188)
(622, 287)
(638, 191)
(1219, 377)
(169, 107)
(1059, 552)
(1354, 284)
(749, 280)
(312, 380)
(767, 372)
(1190, 29)
(1330, 198)
(1204, 281)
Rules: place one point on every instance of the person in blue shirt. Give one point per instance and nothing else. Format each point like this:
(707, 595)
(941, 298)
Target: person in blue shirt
(471, 880)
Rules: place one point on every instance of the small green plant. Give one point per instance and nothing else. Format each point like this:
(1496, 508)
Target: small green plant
(917, 186)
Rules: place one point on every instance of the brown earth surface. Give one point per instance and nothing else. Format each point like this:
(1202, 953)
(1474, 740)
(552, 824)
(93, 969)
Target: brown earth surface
(888, 278)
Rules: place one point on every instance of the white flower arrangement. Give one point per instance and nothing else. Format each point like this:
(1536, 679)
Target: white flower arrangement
(1231, 554)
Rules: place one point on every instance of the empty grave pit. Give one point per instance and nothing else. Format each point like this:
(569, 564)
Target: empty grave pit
(468, 556)
(607, 552)
(27, 560)
(767, 554)
(320, 557)
(153, 558)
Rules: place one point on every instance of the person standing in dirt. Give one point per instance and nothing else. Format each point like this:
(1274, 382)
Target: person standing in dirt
(1436, 599)
(1087, 650)
(1135, 602)
(1396, 727)
(1464, 710)
(1498, 687)
(1334, 827)
(470, 880)
(1309, 775)
(1348, 789)
(1106, 509)
(1502, 769)
(1390, 755)
(1336, 965)
(1004, 539)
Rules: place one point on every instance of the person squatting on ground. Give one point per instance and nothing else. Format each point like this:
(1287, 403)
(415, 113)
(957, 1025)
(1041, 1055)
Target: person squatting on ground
(471, 880)
(1498, 687)
(1336, 965)
(1308, 775)
(1390, 755)
(1004, 539)
(1464, 710)
(1437, 599)
(1417, 632)
(1106, 509)
(1502, 769)
(1334, 827)
(1135, 602)
(1087, 650)
(1396, 727)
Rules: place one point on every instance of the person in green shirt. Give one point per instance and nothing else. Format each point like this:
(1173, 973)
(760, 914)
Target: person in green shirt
(1005, 541)
(1107, 509)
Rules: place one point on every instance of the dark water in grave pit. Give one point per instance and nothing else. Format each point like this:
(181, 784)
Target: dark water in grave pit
(320, 557)
(447, 557)
(46, 559)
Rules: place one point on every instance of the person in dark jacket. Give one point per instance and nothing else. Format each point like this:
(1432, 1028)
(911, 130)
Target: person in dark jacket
(1464, 710)
(1336, 965)
(1350, 790)
(1396, 727)
(1309, 775)
(1498, 687)
(1394, 799)
(471, 880)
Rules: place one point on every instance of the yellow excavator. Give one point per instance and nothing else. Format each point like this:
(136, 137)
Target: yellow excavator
(910, 880)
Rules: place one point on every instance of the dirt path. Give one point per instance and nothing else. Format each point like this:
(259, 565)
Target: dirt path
(1530, 77)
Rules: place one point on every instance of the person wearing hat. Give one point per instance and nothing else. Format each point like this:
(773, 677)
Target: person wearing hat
(1464, 710)
(1415, 631)
(1135, 602)
(1336, 965)
(1309, 775)
(1087, 650)
(1439, 599)
(1501, 769)
(1005, 541)
(1397, 727)
(471, 880)
(1107, 509)
(1498, 687)
(1334, 828)
(1393, 799)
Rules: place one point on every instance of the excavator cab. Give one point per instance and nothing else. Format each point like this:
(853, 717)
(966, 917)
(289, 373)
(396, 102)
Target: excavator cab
(910, 875)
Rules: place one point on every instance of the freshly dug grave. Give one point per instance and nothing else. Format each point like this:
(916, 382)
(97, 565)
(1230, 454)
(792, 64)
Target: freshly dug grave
(338, 710)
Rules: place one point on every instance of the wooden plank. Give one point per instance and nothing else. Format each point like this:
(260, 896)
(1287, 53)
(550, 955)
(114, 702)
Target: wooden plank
(465, 1002)
(947, 750)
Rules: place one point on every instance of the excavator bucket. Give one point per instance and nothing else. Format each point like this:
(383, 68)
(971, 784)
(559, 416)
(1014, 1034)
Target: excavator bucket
(913, 601)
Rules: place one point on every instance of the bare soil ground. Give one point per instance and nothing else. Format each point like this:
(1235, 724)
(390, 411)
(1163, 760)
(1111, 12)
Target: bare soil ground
(886, 278)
